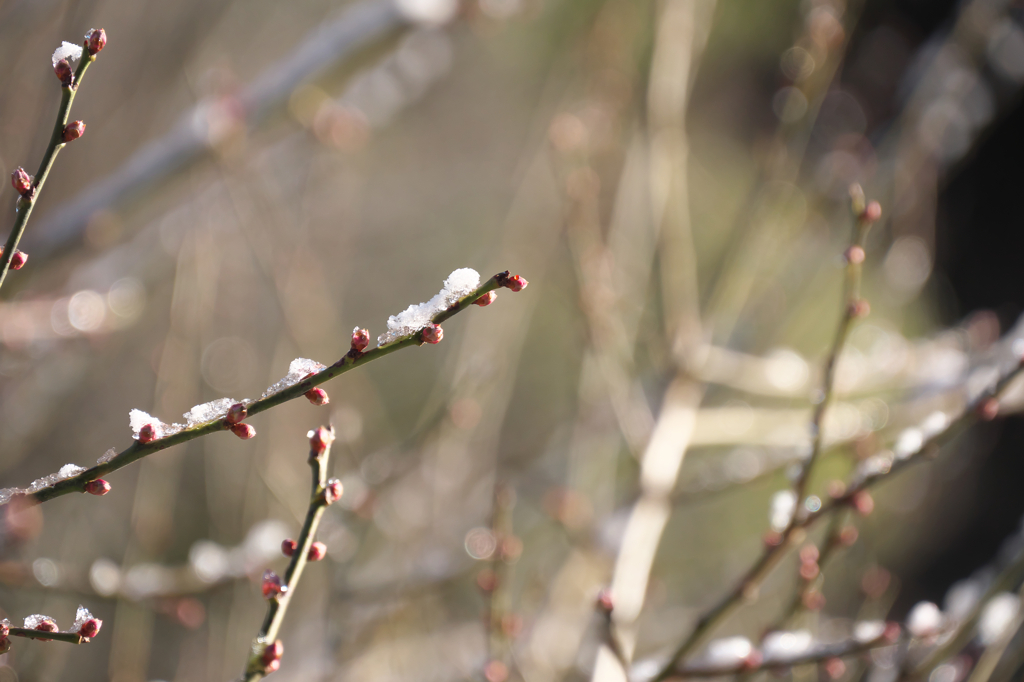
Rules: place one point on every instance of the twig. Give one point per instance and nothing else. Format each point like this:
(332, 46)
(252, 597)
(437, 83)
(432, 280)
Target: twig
(772, 554)
(818, 654)
(28, 199)
(350, 361)
(69, 637)
(266, 650)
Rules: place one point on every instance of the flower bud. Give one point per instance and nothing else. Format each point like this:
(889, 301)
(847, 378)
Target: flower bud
(18, 260)
(835, 668)
(432, 333)
(863, 503)
(486, 299)
(273, 653)
(988, 409)
(95, 40)
(872, 212)
(147, 434)
(272, 667)
(333, 491)
(360, 339)
(236, 414)
(73, 131)
(496, 671)
(288, 547)
(317, 396)
(848, 535)
(90, 628)
(317, 551)
(855, 255)
(64, 73)
(859, 308)
(5, 629)
(604, 602)
(516, 283)
(21, 181)
(243, 431)
(97, 487)
(46, 625)
(809, 570)
(320, 439)
(272, 586)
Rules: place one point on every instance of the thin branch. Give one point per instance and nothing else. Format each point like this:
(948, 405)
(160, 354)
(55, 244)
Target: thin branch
(320, 498)
(69, 637)
(772, 554)
(28, 200)
(350, 361)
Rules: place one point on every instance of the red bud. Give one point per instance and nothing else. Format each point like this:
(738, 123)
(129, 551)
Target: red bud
(18, 260)
(95, 40)
(360, 339)
(432, 333)
(317, 551)
(97, 487)
(320, 439)
(273, 653)
(317, 396)
(73, 131)
(243, 431)
(516, 283)
(872, 212)
(333, 490)
(64, 73)
(21, 181)
(288, 547)
(46, 626)
(90, 628)
(272, 586)
(147, 434)
(486, 299)
(236, 414)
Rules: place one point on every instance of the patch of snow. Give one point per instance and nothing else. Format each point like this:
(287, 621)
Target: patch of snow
(298, 370)
(69, 470)
(461, 282)
(80, 617)
(68, 51)
(33, 621)
(208, 412)
(107, 456)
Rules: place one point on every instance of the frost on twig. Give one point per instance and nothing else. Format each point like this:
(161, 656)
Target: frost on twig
(65, 472)
(107, 456)
(414, 318)
(68, 51)
(207, 412)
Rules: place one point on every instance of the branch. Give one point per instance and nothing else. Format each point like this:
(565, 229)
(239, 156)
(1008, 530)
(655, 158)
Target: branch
(985, 406)
(30, 189)
(267, 649)
(353, 359)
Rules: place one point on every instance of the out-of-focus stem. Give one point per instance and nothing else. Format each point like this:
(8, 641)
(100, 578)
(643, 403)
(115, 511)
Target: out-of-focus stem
(350, 361)
(27, 203)
(319, 464)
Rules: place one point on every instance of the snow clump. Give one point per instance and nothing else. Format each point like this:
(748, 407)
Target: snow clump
(460, 283)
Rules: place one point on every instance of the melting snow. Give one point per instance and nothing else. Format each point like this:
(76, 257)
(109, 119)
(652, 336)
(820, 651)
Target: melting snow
(68, 51)
(107, 456)
(414, 318)
(298, 370)
(69, 470)
(137, 419)
(207, 412)
(31, 622)
(80, 617)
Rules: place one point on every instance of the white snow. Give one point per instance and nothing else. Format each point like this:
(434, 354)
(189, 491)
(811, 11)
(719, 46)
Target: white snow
(69, 470)
(997, 616)
(868, 630)
(68, 51)
(728, 651)
(781, 645)
(107, 456)
(137, 419)
(924, 619)
(414, 318)
(208, 412)
(31, 622)
(80, 617)
(783, 506)
(908, 442)
(298, 370)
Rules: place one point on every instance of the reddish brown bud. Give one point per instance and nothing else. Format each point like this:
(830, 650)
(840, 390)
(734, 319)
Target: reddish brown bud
(496, 671)
(516, 283)
(236, 414)
(147, 434)
(95, 40)
(604, 601)
(809, 554)
(360, 339)
(273, 652)
(5, 629)
(333, 491)
(772, 539)
(18, 260)
(809, 570)
(289, 546)
(64, 73)
(320, 439)
(21, 181)
(486, 299)
(872, 212)
(73, 131)
(859, 308)
(90, 628)
(432, 333)
(317, 551)
(272, 586)
(835, 668)
(46, 626)
(863, 502)
(243, 431)
(988, 409)
(487, 580)
(892, 632)
(848, 535)
(317, 396)
(855, 255)
(97, 487)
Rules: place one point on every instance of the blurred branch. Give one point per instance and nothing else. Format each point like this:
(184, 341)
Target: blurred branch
(30, 195)
(266, 650)
(773, 553)
(200, 129)
(350, 361)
